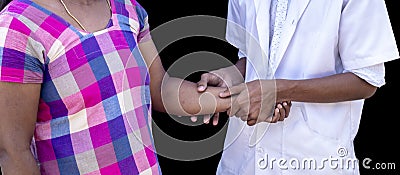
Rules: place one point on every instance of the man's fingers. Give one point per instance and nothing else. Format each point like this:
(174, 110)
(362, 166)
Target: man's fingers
(282, 113)
(274, 118)
(251, 122)
(233, 111)
(235, 107)
(287, 106)
(254, 114)
(202, 84)
(242, 114)
(233, 90)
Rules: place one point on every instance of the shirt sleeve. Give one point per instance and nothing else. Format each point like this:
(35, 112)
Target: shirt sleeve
(144, 33)
(366, 36)
(374, 75)
(19, 61)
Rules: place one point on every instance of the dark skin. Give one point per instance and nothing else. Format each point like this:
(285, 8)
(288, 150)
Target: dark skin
(329, 89)
(233, 75)
(253, 103)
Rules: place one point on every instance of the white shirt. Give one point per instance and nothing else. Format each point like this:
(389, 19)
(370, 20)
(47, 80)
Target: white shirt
(319, 38)
(374, 75)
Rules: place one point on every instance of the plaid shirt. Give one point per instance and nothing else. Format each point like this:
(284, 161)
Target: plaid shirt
(94, 108)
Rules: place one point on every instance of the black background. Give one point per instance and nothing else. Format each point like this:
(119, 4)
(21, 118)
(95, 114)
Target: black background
(378, 131)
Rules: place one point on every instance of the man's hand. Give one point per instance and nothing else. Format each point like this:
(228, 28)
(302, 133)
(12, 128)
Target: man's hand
(282, 110)
(224, 77)
(256, 102)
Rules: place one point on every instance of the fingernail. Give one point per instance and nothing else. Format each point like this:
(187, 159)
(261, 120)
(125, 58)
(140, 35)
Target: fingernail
(279, 106)
(200, 88)
(284, 104)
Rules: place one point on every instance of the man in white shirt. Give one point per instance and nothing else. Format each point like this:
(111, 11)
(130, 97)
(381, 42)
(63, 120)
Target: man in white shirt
(324, 56)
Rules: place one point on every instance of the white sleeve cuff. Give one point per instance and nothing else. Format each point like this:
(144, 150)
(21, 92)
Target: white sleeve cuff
(374, 75)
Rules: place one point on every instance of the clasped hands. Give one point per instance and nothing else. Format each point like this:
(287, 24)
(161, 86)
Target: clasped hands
(253, 102)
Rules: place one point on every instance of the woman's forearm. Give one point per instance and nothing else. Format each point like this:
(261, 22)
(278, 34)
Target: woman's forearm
(176, 96)
(181, 97)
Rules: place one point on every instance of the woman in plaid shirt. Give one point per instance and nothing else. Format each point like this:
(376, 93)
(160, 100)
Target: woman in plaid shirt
(75, 76)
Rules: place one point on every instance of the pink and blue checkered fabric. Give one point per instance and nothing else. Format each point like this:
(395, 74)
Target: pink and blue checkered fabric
(94, 109)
